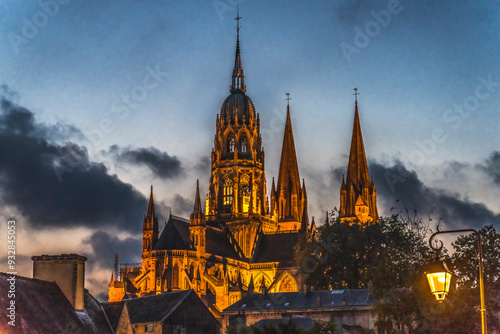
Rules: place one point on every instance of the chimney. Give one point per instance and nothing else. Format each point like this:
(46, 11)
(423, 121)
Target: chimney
(67, 270)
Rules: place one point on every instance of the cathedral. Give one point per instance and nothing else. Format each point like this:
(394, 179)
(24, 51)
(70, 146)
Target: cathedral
(242, 239)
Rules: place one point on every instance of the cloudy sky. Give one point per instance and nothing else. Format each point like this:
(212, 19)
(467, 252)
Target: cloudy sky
(101, 99)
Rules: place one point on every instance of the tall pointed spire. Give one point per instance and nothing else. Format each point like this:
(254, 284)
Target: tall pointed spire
(197, 217)
(238, 82)
(357, 170)
(288, 186)
(357, 194)
(304, 225)
(151, 206)
(197, 202)
(150, 226)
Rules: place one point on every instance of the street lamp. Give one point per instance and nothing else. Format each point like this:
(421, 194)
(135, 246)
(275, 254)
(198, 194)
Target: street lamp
(439, 276)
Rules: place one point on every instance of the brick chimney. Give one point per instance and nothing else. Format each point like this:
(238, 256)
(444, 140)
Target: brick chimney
(67, 270)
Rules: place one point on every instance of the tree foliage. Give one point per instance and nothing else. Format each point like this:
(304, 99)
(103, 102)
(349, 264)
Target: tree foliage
(388, 257)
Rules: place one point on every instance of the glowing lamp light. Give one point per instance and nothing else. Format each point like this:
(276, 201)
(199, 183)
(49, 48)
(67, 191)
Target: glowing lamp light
(439, 278)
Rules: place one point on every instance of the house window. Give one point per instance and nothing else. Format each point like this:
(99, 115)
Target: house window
(231, 145)
(150, 328)
(228, 192)
(244, 145)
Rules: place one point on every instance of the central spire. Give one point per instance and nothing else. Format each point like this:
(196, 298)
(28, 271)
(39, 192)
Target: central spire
(238, 82)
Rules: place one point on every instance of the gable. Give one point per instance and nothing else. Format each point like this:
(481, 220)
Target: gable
(175, 235)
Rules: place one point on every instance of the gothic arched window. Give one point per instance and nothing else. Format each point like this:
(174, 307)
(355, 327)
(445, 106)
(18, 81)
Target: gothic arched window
(244, 145)
(228, 192)
(231, 145)
(175, 276)
(288, 284)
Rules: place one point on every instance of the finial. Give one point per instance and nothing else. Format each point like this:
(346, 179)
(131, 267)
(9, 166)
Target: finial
(288, 98)
(238, 18)
(356, 94)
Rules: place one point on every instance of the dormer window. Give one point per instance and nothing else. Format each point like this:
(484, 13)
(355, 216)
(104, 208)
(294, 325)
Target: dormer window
(244, 145)
(231, 145)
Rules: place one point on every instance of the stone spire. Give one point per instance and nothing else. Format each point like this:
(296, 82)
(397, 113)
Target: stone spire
(357, 170)
(288, 186)
(151, 206)
(238, 82)
(150, 226)
(304, 225)
(197, 217)
(357, 194)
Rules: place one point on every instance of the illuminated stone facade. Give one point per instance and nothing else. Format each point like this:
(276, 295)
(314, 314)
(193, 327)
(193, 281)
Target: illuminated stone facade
(243, 242)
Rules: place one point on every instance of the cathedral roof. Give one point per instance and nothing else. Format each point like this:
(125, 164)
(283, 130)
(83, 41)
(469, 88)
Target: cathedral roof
(217, 243)
(175, 235)
(238, 103)
(277, 247)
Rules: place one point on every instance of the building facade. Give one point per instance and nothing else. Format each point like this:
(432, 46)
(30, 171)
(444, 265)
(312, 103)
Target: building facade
(351, 310)
(244, 240)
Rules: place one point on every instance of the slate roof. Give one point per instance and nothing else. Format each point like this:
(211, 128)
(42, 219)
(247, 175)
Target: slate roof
(154, 308)
(217, 243)
(323, 299)
(271, 247)
(41, 307)
(303, 323)
(113, 311)
(94, 318)
(276, 247)
(175, 235)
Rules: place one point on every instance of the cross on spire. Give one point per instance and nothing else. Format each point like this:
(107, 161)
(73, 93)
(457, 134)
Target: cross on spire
(288, 98)
(356, 94)
(238, 18)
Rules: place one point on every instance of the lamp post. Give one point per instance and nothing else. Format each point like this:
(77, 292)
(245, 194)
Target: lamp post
(439, 280)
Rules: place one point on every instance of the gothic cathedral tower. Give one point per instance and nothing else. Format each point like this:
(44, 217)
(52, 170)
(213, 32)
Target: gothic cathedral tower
(237, 186)
(358, 197)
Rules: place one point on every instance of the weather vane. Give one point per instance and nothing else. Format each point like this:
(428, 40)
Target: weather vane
(288, 98)
(356, 94)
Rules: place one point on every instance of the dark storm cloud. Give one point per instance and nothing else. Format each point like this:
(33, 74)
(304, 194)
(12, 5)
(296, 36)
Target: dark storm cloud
(396, 182)
(56, 185)
(337, 174)
(492, 167)
(203, 166)
(105, 246)
(160, 163)
(182, 206)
